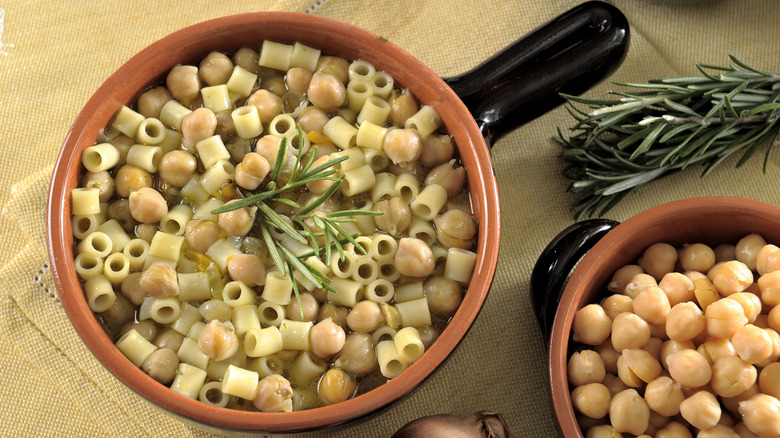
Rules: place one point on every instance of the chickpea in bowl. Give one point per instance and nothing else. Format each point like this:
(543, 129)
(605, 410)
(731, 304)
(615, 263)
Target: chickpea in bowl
(669, 325)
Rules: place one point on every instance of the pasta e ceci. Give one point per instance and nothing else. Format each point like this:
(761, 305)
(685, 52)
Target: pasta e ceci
(195, 297)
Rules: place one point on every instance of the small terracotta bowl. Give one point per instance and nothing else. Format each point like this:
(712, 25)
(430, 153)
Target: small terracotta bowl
(189, 46)
(709, 220)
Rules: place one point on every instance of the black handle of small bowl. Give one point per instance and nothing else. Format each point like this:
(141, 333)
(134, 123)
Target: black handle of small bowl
(568, 55)
(552, 268)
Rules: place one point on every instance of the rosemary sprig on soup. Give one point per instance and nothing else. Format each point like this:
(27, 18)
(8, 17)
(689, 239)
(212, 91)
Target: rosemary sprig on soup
(274, 229)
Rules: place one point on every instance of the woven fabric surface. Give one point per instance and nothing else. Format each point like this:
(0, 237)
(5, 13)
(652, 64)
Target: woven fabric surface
(55, 54)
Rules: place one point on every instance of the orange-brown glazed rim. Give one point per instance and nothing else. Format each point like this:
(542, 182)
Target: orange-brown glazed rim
(188, 46)
(710, 220)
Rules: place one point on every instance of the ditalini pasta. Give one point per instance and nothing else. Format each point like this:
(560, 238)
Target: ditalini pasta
(263, 302)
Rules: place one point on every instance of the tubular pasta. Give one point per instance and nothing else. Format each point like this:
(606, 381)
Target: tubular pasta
(460, 264)
(172, 113)
(187, 318)
(100, 293)
(374, 110)
(194, 286)
(166, 246)
(127, 121)
(241, 81)
(267, 365)
(408, 344)
(220, 251)
(190, 353)
(261, 342)
(85, 225)
(136, 250)
(361, 70)
(305, 369)
(116, 233)
(278, 288)
(384, 333)
(304, 56)
(340, 132)
(271, 314)
(429, 202)
(116, 267)
(358, 91)
(382, 84)
(377, 159)
(409, 291)
(97, 243)
(212, 150)
(423, 230)
(165, 310)
(245, 318)
(275, 55)
(247, 121)
(380, 290)
(389, 363)
(217, 176)
(388, 270)
(85, 201)
(175, 221)
(342, 268)
(211, 394)
(189, 380)
(88, 265)
(358, 180)
(135, 347)
(383, 247)
(348, 292)
(240, 382)
(370, 134)
(236, 293)
(145, 157)
(414, 313)
(426, 121)
(295, 334)
(407, 186)
(151, 132)
(216, 98)
(100, 157)
(365, 270)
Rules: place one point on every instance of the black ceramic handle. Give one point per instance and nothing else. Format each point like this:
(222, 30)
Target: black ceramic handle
(552, 269)
(568, 55)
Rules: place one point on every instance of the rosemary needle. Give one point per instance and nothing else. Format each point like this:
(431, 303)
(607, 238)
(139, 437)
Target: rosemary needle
(665, 126)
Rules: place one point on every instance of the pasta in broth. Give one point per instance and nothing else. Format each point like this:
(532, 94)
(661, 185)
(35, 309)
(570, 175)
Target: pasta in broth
(274, 230)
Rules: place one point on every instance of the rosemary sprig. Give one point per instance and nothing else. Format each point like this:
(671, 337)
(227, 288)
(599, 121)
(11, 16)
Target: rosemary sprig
(277, 229)
(666, 126)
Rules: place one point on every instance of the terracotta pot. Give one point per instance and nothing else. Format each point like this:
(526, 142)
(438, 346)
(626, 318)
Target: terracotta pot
(607, 246)
(597, 29)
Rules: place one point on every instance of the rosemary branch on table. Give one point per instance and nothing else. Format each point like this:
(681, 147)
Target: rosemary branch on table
(665, 126)
(293, 226)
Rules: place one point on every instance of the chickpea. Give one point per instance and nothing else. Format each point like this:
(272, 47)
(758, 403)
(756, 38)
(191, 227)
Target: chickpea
(769, 285)
(697, 257)
(437, 149)
(119, 210)
(732, 277)
(131, 288)
(146, 231)
(268, 147)
(674, 429)
(201, 234)
(336, 313)
(773, 319)
(237, 222)
(183, 83)
(743, 431)
(312, 119)
(750, 302)
(402, 146)
(161, 365)
(592, 400)
(455, 229)
(358, 355)
(658, 259)
(147, 205)
(298, 79)
(215, 68)
(724, 317)
(160, 280)
(638, 283)
(336, 386)
(396, 216)
(198, 125)
(768, 259)
(653, 347)
(616, 304)
(689, 368)
(448, 175)
(585, 367)
(622, 276)
(629, 412)
(718, 431)
(252, 170)
(274, 83)
(247, 59)
(701, 410)
(268, 105)
(218, 341)
(177, 167)
(637, 366)
(365, 317)
(663, 395)
(151, 101)
(678, 287)
(769, 380)
(247, 268)
(591, 325)
(414, 257)
(671, 346)
(274, 394)
(146, 328)
(685, 321)
(715, 348)
(761, 415)
(170, 339)
(600, 431)
(629, 331)
(732, 376)
(652, 305)
(747, 248)
(327, 338)
(326, 92)
(694, 275)
(333, 65)
(130, 178)
(103, 181)
(753, 344)
(119, 314)
(444, 295)
(609, 355)
(614, 384)
(402, 107)
(310, 305)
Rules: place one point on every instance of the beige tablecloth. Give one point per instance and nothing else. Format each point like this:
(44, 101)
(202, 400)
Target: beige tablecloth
(54, 54)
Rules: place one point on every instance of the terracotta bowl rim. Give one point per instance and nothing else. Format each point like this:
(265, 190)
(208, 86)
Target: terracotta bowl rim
(336, 36)
(581, 283)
